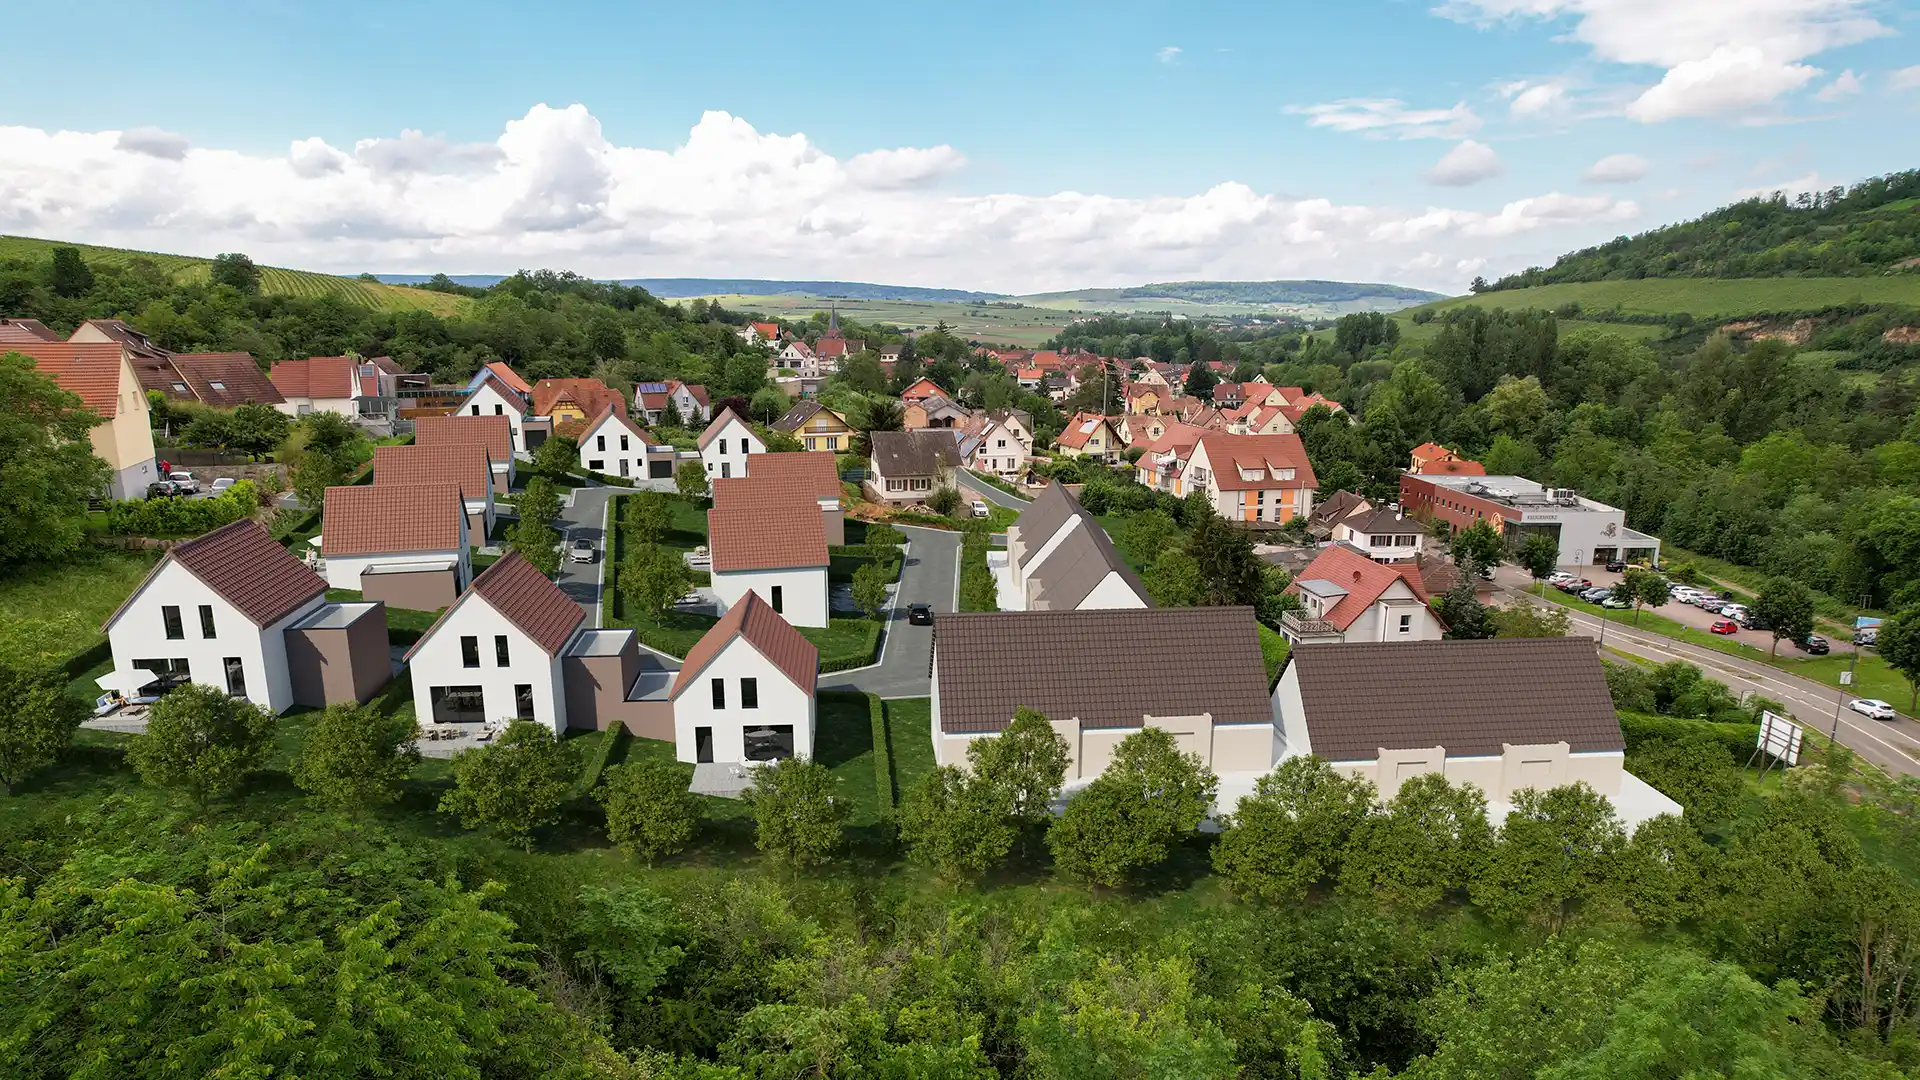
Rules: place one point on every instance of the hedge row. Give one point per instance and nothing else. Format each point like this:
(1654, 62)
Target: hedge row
(869, 551)
(1739, 740)
(871, 631)
(181, 517)
(882, 752)
(598, 752)
(83, 661)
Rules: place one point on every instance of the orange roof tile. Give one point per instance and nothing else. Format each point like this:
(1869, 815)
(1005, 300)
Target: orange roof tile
(494, 434)
(810, 471)
(764, 524)
(509, 377)
(1362, 578)
(1228, 454)
(1081, 428)
(92, 371)
(590, 396)
(388, 519)
(464, 466)
(320, 377)
(247, 568)
(770, 635)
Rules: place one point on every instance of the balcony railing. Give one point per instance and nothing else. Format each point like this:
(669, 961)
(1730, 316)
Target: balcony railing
(1301, 624)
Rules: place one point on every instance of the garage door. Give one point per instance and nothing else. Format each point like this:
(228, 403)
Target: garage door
(660, 470)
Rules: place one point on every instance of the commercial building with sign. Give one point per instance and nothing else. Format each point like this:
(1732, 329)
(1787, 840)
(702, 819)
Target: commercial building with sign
(1587, 531)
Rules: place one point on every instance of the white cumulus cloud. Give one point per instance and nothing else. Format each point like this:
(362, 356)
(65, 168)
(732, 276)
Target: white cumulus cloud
(1526, 99)
(1168, 54)
(1906, 78)
(154, 142)
(1389, 118)
(1617, 169)
(1847, 85)
(910, 166)
(1468, 163)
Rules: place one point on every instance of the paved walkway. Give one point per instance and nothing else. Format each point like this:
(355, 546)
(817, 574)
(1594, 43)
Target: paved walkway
(1894, 746)
(979, 488)
(586, 517)
(931, 576)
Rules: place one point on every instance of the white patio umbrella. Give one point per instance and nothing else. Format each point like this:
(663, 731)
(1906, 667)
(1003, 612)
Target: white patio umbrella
(313, 541)
(126, 680)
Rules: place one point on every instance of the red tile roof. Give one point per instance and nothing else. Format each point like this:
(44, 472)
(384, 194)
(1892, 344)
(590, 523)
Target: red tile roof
(239, 375)
(119, 332)
(809, 471)
(828, 347)
(1228, 454)
(770, 635)
(494, 434)
(319, 377)
(922, 388)
(765, 523)
(247, 568)
(1362, 578)
(389, 519)
(87, 369)
(25, 330)
(1081, 428)
(464, 466)
(719, 421)
(769, 331)
(509, 377)
(529, 600)
(590, 396)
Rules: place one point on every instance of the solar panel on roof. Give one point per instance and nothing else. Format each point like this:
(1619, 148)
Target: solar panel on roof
(653, 388)
(1089, 425)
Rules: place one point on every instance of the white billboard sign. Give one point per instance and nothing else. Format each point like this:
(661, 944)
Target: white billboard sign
(1779, 737)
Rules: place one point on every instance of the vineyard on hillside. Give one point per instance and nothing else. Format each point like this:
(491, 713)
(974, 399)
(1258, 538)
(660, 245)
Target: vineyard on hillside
(273, 280)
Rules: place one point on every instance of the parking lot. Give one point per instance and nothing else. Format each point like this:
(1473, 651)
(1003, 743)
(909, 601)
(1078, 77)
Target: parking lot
(1685, 614)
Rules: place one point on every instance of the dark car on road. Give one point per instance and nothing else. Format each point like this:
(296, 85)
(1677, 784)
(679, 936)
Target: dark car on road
(920, 614)
(1814, 645)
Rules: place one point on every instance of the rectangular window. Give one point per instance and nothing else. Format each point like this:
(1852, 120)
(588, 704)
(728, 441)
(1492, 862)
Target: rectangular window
(206, 620)
(523, 701)
(1406, 624)
(500, 650)
(723, 446)
(749, 693)
(236, 676)
(599, 442)
(596, 465)
(623, 443)
(499, 410)
(469, 651)
(777, 605)
(810, 442)
(476, 411)
(170, 616)
(719, 692)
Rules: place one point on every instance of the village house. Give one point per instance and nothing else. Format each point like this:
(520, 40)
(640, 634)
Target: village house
(1472, 711)
(672, 402)
(907, 466)
(814, 476)
(101, 375)
(817, 427)
(1382, 534)
(934, 411)
(464, 467)
(234, 610)
(1058, 558)
(1164, 464)
(1145, 398)
(497, 654)
(759, 333)
(493, 434)
(921, 390)
(725, 445)
(493, 395)
(216, 380)
(357, 388)
(1091, 435)
(1252, 477)
(613, 445)
(563, 401)
(406, 546)
(991, 443)
(798, 357)
(1334, 509)
(25, 332)
(768, 537)
(745, 692)
(1348, 597)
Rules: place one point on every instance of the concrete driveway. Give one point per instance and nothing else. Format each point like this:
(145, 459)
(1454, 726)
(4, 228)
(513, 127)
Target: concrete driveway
(586, 516)
(976, 488)
(931, 575)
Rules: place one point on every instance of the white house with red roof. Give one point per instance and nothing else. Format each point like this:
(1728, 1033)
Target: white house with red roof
(921, 390)
(613, 445)
(798, 356)
(759, 333)
(353, 386)
(1090, 435)
(1348, 597)
(1252, 477)
(746, 690)
(767, 536)
(725, 446)
(492, 395)
(496, 655)
(1164, 465)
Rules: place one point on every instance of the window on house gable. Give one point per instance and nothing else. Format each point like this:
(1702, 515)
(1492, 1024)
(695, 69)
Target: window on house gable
(749, 693)
(206, 620)
(719, 692)
(500, 650)
(469, 651)
(170, 617)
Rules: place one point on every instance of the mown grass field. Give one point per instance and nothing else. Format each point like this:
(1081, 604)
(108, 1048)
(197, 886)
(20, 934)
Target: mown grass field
(48, 614)
(273, 280)
(1703, 298)
(998, 323)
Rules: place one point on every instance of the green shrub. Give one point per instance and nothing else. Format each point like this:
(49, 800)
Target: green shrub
(882, 754)
(174, 517)
(598, 754)
(1640, 729)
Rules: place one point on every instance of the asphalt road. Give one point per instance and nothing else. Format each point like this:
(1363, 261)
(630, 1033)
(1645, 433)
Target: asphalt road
(1698, 618)
(586, 517)
(931, 575)
(1892, 745)
(980, 489)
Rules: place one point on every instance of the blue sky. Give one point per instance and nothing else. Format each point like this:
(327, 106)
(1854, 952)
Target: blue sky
(1021, 145)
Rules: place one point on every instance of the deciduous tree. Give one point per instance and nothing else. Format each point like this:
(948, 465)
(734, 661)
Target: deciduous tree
(47, 467)
(236, 271)
(654, 578)
(1429, 840)
(798, 819)
(1899, 646)
(1128, 818)
(1522, 619)
(960, 824)
(1478, 548)
(537, 543)
(1027, 763)
(1786, 606)
(650, 812)
(1557, 849)
(512, 785)
(870, 588)
(690, 480)
(1644, 587)
(1293, 831)
(356, 756)
(202, 741)
(37, 721)
(1539, 554)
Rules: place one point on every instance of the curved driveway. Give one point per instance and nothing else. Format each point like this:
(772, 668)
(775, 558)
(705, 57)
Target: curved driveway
(931, 576)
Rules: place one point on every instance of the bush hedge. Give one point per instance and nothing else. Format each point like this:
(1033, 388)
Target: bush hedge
(1738, 739)
(599, 752)
(882, 754)
(170, 517)
(871, 634)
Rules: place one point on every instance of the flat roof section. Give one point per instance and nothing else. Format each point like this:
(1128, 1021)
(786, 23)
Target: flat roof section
(337, 616)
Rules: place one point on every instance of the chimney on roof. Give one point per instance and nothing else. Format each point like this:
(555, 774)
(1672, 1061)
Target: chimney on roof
(1356, 577)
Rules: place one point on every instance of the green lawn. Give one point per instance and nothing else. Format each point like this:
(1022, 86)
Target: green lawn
(48, 614)
(910, 739)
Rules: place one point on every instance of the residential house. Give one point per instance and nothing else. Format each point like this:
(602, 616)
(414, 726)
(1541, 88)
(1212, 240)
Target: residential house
(1500, 714)
(1091, 435)
(746, 690)
(613, 445)
(1018, 422)
(725, 445)
(1438, 460)
(103, 331)
(492, 395)
(907, 466)
(1146, 398)
(1348, 597)
(935, 411)
(799, 357)
(498, 652)
(217, 380)
(652, 403)
(672, 402)
(1252, 477)
(1205, 683)
(234, 610)
(563, 401)
(816, 426)
(354, 387)
(1228, 395)
(1058, 558)
(406, 545)
(1334, 509)
(1254, 419)
(1153, 374)
(493, 434)
(991, 443)
(465, 467)
(767, 537)
(759, 333)
(1164, 465)
(25, 331)
(509, 378)
(1141, 430)
(101, 374)
(814, 476)
(1382, 534)
(890, 356)
(1029, 377)
(921, 390)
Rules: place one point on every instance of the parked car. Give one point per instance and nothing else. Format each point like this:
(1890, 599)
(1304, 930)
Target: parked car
(1711, 603)
(1559, 576)
(1873, 708)
(162, 489)
(1595, 595)
(1616, 566)
(1815, 645)
(1724, 626)
(581, 550)
(979, 508)
(1574, 585)
(1615, 602)
(920, 614)
(187, 482)
(1869, 636)
(221, 484)
(1736, 612)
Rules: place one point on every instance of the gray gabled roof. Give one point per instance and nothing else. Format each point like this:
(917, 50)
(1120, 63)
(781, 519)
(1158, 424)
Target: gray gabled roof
(914, 453)
(1079, 563)
(1470, 697)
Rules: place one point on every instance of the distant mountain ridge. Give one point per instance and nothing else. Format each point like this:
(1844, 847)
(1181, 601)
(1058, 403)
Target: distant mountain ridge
(682, 288)
(1249, 292)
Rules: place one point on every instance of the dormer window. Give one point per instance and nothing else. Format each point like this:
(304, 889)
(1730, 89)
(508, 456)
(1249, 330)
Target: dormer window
(218, 385)
(1286, 474)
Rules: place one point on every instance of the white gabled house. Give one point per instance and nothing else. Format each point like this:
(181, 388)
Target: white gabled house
(407, 545)
(613, 445)
(726, 445)
(768, 537)
(746, 690)
(1347, 597)
(491, 396)
(496, 654)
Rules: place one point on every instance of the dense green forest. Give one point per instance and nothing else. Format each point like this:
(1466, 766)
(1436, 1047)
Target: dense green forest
(1872, 227)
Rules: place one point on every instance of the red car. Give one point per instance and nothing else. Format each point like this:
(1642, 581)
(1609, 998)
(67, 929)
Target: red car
(1724, 626)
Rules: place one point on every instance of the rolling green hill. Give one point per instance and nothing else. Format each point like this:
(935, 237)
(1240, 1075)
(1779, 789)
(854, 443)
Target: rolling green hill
(273, 280)
(1704, 298)
(1307, 299)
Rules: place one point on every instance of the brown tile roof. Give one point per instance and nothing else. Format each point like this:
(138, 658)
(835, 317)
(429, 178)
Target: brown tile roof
(1081, 428)
(1087, 664)
(12, 330)
(1336, 507)
(1228, 454)
(387, 519)
(529, 600)
(464, 466)
(764, 523)
(719, 421)
(810, 471)
(590, 396)
(914, 453)
(120, 333)
(801, 412)
(697, 391)
(1452, 467)
(239, 375)
(247, 568)
(322, 377)
(494, 434)
(1362, 578)
(1079, 563)
(509, 377)
(770, 635)
(91, 370)
(1467, 696)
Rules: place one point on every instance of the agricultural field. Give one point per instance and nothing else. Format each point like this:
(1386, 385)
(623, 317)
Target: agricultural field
(1704, 298)
(998, 323)
(273, 280)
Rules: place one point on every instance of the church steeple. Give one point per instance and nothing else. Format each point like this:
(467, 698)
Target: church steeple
(833, 320)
